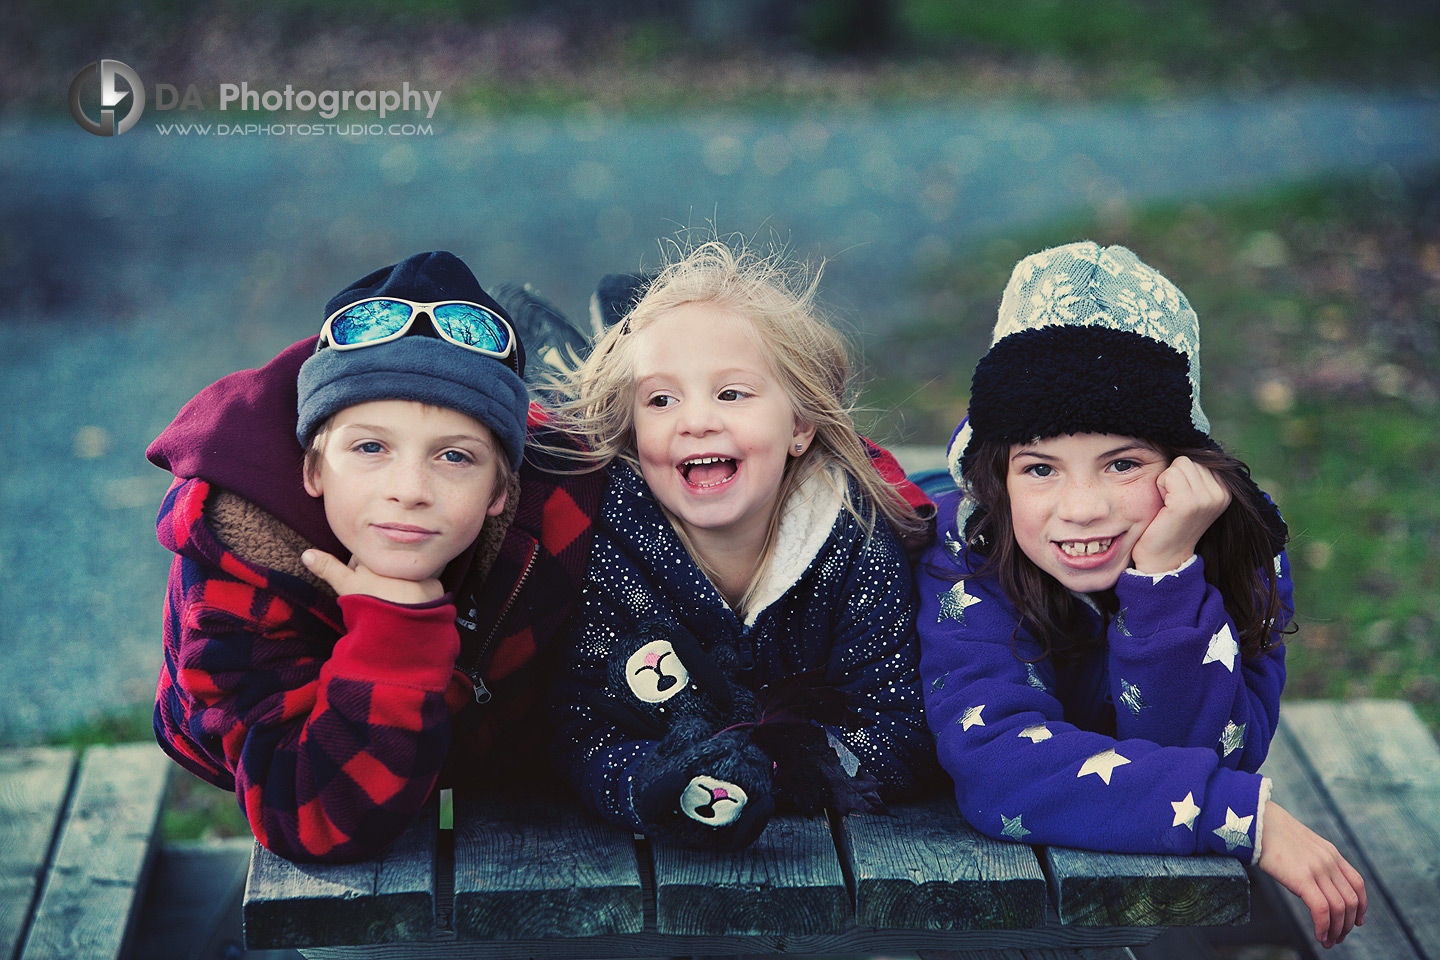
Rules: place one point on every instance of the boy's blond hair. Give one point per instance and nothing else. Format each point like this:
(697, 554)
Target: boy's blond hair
(810, 358)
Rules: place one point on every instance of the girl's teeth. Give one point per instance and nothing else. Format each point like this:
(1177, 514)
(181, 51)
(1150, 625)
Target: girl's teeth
(1075, 548)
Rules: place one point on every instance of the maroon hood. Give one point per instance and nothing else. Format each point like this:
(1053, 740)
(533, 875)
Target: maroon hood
(239, 434)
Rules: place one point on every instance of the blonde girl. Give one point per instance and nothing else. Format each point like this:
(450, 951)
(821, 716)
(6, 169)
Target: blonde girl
(747, 537)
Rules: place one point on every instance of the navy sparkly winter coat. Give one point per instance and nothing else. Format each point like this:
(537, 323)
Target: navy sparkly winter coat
(834, 599)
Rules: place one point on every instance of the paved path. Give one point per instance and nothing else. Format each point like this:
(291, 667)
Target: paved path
(134, 270)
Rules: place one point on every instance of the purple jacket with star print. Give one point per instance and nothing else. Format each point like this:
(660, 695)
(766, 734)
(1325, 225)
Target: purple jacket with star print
(1147, 745)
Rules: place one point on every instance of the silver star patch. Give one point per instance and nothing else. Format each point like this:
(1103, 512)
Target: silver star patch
(1120, 623)
(1185, 811)
(952, 546)
(938, 683)
(1131, 697)
(1032, 677)
(1232, 738)
(1222, 649)
(1036, 733)
(972, 717)
(1103, 764)
(953, 603)
(1013, 828)
(1236, 832)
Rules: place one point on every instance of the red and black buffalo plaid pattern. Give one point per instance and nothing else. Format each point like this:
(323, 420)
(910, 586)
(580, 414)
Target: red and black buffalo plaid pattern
(333, 721)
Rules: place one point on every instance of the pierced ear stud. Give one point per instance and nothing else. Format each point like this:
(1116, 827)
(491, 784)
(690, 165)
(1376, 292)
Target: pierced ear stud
(799, 448)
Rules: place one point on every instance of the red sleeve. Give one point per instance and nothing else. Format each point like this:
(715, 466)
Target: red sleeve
(892, 473)
(331, 753)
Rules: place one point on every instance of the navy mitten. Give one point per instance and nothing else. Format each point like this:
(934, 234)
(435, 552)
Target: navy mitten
(711, 791)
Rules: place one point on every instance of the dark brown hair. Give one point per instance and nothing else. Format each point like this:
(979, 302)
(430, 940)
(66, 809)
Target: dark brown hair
(1237, 552)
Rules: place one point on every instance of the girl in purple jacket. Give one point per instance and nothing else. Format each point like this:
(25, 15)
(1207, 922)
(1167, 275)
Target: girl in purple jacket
(1102, 616)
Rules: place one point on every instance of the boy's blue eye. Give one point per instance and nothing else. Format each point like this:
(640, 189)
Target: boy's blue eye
(369, 446)
(456, 456)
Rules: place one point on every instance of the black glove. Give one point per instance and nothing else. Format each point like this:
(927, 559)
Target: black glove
(705, 791)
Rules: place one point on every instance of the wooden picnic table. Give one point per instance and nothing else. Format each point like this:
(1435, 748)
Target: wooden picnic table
(530, 875)
(527, 873)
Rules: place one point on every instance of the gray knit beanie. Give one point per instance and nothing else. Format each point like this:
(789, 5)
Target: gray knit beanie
(418, 366)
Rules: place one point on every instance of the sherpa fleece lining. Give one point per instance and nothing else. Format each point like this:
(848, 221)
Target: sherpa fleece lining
(258, 536)
(804, 528)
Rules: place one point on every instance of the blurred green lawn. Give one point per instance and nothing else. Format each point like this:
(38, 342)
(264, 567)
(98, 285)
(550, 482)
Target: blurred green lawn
(503, 55)
(1320, 346)
(1320, 331)
(1318, 302)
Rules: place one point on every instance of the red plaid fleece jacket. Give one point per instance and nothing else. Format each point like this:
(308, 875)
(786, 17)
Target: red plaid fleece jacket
(334, 721)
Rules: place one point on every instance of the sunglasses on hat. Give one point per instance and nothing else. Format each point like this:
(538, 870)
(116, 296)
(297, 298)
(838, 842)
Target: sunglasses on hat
(377, 320)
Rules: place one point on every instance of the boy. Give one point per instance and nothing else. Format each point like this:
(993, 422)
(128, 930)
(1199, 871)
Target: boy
(337, 647)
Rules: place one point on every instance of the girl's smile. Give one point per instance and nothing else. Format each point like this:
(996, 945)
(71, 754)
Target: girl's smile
(714, 427)
(1080, 502)
(705, 473)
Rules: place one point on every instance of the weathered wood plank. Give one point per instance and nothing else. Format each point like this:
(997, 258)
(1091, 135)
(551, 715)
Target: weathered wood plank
(788, 882)
(853, 942)
(103, 856)
(925, 868)
(1097, 953)
(1137, 890)
(388, 899)
(1380, 767)
(34, 784)
(530, 866)
(1294, 789)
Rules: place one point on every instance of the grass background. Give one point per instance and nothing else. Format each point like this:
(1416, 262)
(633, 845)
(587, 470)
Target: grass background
(1319, 302)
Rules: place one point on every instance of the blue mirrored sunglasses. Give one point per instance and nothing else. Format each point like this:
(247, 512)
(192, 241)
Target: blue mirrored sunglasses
(377, 320)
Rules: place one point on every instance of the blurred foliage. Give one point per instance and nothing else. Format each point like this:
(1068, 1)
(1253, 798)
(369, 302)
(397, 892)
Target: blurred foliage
(1219, 39)
(124, 726)
(194, 810)
(1320, 332)
(646, 54)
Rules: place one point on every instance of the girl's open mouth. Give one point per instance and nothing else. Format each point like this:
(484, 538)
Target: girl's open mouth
(705, 472)
(1084, 554)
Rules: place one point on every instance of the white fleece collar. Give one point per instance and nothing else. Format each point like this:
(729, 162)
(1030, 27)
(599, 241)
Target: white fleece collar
(805, 525)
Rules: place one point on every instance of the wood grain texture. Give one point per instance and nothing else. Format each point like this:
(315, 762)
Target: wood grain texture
(1124, 889)
(851, 942)
(788, 882)
(532, 866)
(34, 785)
(388, 899)
(103, 856)
(925, 868)
(1378, 767)
(1096, 953)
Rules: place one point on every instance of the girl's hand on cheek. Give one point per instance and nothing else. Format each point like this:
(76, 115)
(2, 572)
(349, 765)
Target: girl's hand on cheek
(357, 578)
(1193, 498)
(1310, 867)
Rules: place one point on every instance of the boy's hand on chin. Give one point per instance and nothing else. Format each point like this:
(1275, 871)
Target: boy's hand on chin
(357, 578)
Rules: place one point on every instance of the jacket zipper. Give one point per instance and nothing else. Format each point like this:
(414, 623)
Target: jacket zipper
(482, 692)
